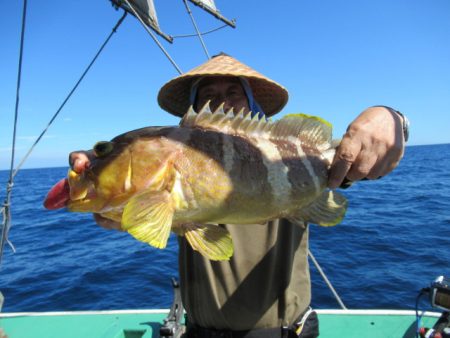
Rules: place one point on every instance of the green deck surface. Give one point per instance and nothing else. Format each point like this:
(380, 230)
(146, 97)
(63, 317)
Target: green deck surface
(370, 325)
(84, 326)
(146, 325)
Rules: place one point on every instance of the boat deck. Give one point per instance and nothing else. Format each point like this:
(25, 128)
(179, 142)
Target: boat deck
(146, 324)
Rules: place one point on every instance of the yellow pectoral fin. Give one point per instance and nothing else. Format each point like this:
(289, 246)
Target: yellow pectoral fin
(148, 217)
(212, 241)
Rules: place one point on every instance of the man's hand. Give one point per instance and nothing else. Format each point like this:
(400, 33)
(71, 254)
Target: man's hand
(372, 147)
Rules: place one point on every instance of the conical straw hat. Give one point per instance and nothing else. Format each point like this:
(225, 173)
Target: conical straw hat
(174, 95)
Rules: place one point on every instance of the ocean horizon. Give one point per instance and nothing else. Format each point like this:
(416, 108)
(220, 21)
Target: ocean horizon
(26, 167)
(394, 241)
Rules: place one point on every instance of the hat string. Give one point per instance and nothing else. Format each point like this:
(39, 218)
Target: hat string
(254, 106)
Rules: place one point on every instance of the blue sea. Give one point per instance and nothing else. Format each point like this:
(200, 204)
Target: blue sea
(394, 240)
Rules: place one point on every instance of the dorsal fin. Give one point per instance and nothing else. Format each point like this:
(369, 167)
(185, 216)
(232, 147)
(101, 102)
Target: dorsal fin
(310, 130)
(226, 122)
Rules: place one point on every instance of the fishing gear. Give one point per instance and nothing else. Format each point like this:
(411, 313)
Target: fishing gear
(439, 297)
(173, 324)
(440, 293)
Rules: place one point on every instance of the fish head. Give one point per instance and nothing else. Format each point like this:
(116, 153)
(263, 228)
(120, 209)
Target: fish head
(112, 172)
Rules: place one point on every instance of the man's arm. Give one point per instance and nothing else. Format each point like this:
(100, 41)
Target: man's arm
(372, 146)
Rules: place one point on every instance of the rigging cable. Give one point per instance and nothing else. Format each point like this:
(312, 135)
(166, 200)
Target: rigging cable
(196, 29)
(338, 299)
(72, 91)
(201, 33)
(6, 209)
(422, 292)
(136, 14)
(6, 224)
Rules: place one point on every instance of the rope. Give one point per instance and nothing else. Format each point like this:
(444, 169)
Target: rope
(196, 29)
(71, 92)
(204, 33)
(339, 300)
(136, 14)
(6, 222)
(6, 212)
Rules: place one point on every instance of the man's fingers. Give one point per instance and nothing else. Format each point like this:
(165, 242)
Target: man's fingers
(370, 162)
(382, 168)
(372, 147)
(346, 155)
(363, 166)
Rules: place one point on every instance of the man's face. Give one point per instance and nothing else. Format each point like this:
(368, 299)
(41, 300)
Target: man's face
(220, 89)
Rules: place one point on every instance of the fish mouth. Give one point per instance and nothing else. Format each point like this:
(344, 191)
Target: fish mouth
(58, 196)
(71, 189)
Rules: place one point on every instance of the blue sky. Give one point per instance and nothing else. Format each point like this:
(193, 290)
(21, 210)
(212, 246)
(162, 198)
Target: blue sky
(335, 58)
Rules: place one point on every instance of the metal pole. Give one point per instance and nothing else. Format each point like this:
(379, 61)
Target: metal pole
(70, 93)
(200, 4)
(338, 299)
(5, 210)
(196, 29)
(136, 14)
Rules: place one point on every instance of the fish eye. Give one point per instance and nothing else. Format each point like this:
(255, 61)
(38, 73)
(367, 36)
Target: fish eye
(103, 148)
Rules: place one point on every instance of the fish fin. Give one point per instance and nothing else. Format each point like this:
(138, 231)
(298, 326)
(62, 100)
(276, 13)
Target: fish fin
(148, 217)
(189, 118)
(329, 209)
(212, 241)
(239, 124)
(328, 154)
(312, 130)
(112, 215)
(336, 142)
(163, 177)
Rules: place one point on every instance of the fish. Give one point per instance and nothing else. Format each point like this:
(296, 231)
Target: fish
(214, 168)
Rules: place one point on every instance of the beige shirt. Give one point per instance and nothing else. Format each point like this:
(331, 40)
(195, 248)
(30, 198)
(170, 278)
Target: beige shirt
(265, 284)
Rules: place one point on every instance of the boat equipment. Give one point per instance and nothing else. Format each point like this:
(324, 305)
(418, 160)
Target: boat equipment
(172, 326)
(439, 297)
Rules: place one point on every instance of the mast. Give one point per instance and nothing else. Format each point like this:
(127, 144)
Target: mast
(210, 7)
(144, 11)
(196, 29)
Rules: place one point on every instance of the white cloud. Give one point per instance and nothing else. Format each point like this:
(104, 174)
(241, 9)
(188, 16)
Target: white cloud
(34, 137)
(8, 149)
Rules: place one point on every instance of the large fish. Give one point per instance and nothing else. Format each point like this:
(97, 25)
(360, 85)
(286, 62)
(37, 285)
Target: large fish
(215, 168)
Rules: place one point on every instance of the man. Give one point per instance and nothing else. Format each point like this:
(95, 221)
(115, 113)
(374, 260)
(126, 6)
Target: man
(264, 290)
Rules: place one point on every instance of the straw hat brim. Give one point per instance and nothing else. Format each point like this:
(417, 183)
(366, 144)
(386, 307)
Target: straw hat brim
(174, 95)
